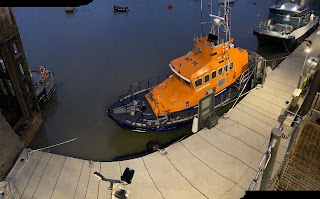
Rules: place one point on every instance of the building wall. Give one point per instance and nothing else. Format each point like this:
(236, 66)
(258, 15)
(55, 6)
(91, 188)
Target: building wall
(10, 146)
(20, 112)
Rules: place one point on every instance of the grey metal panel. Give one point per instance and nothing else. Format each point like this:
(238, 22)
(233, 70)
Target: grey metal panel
(205, 109)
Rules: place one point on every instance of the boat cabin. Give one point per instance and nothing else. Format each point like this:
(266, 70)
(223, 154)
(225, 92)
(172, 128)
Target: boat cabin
(211, 66)
(289, 16)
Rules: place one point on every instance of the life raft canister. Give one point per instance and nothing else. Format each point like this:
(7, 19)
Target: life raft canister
(311, 17)
(287, 31)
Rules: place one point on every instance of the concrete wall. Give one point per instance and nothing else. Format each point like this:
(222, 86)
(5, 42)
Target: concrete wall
(10, 146)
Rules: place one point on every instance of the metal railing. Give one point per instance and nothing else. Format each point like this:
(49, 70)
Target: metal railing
(269, 159)
(316, 102)
(142, 86)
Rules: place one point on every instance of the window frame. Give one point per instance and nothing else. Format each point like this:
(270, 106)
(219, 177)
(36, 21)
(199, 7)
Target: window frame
(231, 66)
(220, 69)
(215, 72)
(195, 82)
(207, 75)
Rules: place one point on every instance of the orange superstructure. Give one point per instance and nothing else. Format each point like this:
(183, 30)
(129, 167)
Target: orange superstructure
(208, 67)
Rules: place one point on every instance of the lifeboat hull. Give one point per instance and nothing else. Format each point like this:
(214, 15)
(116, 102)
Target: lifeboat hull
(145, 121)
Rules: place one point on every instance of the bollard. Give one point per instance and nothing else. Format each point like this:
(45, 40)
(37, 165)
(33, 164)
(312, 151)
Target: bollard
(273, 150)
(291, 143)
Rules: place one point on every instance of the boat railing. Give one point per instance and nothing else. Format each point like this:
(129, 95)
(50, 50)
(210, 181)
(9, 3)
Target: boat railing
(259, 64)
(208, 43)
(142, 86)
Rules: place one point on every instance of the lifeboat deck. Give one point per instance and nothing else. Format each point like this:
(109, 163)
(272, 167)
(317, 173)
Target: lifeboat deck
(216, 163)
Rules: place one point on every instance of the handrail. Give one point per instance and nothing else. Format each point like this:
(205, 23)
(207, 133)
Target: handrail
(142, 86)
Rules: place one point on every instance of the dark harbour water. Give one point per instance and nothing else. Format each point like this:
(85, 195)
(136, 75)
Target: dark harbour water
(96, 54)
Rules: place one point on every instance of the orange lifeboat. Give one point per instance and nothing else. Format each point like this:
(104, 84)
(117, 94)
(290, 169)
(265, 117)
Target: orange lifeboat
(213, 66)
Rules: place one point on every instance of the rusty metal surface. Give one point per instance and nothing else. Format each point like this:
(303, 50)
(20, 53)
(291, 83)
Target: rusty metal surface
(303, 169)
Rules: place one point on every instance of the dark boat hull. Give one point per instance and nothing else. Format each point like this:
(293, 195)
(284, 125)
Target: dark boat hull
(285, 43)
(138, 122)
(265, 39)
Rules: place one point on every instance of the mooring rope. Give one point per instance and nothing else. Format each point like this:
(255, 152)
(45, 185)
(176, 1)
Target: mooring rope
(7, 191)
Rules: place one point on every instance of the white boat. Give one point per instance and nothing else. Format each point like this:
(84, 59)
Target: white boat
(288, 23)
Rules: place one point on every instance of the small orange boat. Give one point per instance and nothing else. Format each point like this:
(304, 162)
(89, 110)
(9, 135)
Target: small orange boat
(213, 66)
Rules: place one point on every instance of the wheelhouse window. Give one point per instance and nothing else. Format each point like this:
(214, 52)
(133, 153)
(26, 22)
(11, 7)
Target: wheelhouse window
(220, 71)
(231, 65)
(198, 82)
(213, 74)
(225, 68)
(206, 78)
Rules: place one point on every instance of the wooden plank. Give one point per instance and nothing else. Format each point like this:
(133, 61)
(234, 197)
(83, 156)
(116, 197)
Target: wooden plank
(93, 186)
(208, 181)
(263, 104)
(284, 75)
(68, 179)
(282, 80)
(241, 132)
(286, 71)
(268, 97)
(169, 181)
(279, 85)
(142, 186)
(109, 170)
(277, 92)
(26, 172)
(228, 166)
(50, 176)
(36, 176)
(258, 109)
(229, 144)
(251, 122)
(82, 184)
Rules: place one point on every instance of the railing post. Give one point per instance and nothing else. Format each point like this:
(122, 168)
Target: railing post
(291, 143)
(273, 147)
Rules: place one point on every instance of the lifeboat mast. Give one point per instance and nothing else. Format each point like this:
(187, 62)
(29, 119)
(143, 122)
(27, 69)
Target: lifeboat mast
(221, 22)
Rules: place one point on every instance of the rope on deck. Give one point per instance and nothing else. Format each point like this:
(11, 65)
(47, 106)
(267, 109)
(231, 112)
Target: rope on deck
(7, 190)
